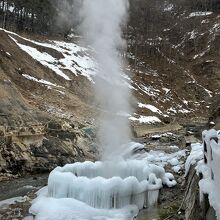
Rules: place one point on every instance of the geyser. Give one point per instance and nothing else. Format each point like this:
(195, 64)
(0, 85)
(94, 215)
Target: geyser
(125, 185)
(101, 27)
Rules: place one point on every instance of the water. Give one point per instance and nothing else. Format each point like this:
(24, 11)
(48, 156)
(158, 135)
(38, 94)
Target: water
(149, 214)
(21, 186)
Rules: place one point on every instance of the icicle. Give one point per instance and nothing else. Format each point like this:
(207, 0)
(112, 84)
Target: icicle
(109, 185)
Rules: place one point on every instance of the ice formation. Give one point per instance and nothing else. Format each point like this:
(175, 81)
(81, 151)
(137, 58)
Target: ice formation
(196, 155)
(47, 208)
(109, 184)
(160, 158)
(114, 189)
(206, 157)
(210, 169)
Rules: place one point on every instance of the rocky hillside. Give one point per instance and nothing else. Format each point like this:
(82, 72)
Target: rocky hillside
(177, 64)
(47, 110)
(42, 113)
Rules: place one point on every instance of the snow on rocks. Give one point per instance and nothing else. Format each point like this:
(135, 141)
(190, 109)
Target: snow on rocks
(146, 119)
(168, 7)
(148, 90)
(44, 58)
(42, 81)
(150, 107)
(174, 162)
(206, 157)
(162, 159)
(195, 156)
(176, 169)
(209, 168)
(7, 202)
(200, 13)
(8, 54)
(166, 90)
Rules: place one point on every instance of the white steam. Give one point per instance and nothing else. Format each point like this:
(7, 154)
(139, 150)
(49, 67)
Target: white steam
(101, 27)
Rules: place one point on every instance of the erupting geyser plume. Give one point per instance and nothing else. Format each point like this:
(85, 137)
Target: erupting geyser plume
(102, 29)
(110, 189)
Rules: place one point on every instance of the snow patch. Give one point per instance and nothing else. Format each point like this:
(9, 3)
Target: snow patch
(200, 13)
(168, 7)
(43, 58)
(8, 54)
(76, 58)
(45, 82)
(146, 119)
(11, 201)
(166, 90)
(150, 107)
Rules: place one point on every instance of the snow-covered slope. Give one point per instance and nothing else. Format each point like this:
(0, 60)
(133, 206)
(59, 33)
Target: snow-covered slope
(74, 58)
(182, 83)
(176, 68)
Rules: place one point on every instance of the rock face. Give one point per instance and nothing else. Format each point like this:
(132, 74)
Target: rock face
(193, 210)
(41, 148)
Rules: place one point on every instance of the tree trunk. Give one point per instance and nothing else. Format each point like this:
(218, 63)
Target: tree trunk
(4, 25)
(32, 20)
(3, 5)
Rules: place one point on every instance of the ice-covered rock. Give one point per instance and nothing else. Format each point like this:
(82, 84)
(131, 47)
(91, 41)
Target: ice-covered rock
(108, 184)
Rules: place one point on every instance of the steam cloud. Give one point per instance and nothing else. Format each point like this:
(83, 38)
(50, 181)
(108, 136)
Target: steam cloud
(101, 27)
